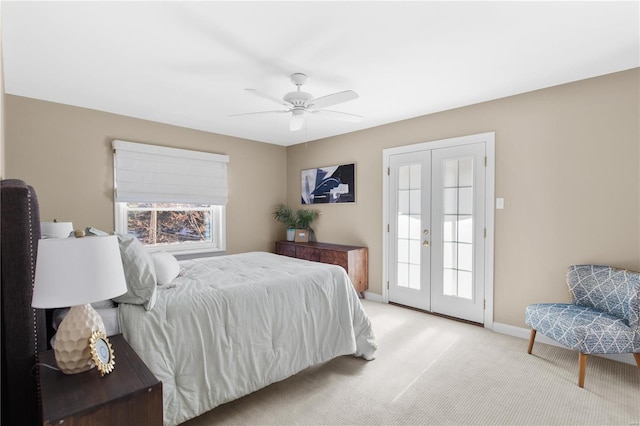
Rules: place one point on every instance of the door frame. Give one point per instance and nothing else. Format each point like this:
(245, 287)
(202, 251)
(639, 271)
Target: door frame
(489, 140)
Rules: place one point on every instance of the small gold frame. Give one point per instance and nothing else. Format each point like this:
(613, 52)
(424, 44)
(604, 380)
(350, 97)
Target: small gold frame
(101, 352)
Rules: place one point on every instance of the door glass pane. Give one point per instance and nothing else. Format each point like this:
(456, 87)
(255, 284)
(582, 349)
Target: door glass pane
(414, 277)
(403, 274)
(408, 226)
(414, 201)
(465, 284)
(414, 176)
(403, 250)
(414, 226)
(403, 201)
(450, 201)
(457, 226)
(450, 255)
(465, 229)
(465, 200)
(414, 252)
(450, 284)
(450, 174)
(404, 226)
(403, 178)
(449, 230)
(465, 256)
(465, 168)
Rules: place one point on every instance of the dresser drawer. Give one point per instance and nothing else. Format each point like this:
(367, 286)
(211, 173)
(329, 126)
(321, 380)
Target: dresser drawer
(332, 257)
(308, 253)
(285, 249)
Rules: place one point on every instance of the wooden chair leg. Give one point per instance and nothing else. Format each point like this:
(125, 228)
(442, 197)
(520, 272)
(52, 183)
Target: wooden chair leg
(637, 357)
(582, 368)
(533, 337)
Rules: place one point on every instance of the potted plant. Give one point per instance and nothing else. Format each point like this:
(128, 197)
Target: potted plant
(284, 214)
(306, 217)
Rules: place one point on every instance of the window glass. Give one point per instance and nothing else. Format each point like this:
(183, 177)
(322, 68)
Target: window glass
(173, 227)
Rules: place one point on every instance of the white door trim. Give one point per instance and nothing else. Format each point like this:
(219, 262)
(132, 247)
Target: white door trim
(489, 140)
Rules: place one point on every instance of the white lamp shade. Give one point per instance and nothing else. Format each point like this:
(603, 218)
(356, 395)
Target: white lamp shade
(56, 229)
(77, 271)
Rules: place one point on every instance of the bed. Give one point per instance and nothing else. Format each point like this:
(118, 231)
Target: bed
(211, 329)
(230, 325)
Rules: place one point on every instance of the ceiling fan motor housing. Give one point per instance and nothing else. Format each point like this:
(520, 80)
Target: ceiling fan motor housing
(298, 98)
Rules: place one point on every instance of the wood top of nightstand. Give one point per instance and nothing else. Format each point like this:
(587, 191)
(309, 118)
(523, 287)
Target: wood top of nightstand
(63, 395)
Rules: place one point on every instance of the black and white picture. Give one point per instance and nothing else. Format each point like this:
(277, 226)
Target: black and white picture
(333, 184)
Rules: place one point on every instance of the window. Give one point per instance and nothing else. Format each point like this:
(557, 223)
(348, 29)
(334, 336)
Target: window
(170, 199)
(174, 227)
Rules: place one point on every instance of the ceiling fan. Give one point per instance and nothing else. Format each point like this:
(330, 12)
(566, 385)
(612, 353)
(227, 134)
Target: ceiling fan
(300, 103)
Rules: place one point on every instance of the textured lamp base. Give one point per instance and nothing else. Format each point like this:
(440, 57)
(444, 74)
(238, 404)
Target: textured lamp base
(72, 351)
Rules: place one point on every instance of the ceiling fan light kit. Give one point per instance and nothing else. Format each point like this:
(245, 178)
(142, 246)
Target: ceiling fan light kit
(299, 103)
(297, 120)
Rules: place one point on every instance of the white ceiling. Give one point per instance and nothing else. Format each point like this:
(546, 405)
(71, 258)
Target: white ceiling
(187, 63)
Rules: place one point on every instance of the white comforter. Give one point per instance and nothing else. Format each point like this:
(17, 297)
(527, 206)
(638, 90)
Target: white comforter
(231, 325)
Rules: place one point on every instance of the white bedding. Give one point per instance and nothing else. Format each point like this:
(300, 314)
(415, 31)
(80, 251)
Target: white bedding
(234, 324)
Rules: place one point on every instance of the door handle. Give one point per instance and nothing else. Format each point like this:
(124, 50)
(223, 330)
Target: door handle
(425, 243)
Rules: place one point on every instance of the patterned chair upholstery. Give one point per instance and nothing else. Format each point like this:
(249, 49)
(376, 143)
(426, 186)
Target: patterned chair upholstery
(603, 318)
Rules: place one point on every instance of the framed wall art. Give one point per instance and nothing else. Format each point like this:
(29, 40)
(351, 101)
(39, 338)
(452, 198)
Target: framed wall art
(328, 185)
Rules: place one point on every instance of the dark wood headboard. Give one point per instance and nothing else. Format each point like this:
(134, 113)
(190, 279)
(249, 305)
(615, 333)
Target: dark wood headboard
(23, 327)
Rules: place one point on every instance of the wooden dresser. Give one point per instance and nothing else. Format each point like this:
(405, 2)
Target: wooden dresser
(353, 259)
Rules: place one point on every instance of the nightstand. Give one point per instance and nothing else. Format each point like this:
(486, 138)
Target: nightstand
(130, 395)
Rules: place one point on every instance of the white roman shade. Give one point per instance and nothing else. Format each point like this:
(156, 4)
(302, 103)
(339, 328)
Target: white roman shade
(155, 174)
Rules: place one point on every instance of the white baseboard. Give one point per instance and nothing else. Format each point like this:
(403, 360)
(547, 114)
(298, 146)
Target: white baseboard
(374, 297)
(524, 333)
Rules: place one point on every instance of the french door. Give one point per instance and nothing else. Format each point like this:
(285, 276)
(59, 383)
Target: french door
(436, 250)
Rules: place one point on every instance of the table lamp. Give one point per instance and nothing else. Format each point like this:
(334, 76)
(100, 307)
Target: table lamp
(77, 272)
(56, 229)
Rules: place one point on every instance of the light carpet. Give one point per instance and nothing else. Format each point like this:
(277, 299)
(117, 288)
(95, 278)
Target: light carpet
(434, 371)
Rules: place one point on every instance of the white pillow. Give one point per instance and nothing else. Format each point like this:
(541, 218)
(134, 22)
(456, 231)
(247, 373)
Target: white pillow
(138, 272)
(166, 266)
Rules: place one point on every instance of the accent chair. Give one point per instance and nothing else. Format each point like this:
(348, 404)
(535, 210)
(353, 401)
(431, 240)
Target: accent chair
(603, 318)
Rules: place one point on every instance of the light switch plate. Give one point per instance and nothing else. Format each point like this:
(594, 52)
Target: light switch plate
(499, 203)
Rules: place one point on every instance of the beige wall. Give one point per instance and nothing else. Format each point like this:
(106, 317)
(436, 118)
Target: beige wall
(567, 165)
(65, 153)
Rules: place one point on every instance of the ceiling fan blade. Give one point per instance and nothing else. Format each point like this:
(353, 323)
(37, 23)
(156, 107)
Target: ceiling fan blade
(335, 98)
(338, 115)
(258, 112)
(269, 97)
(297, 120)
